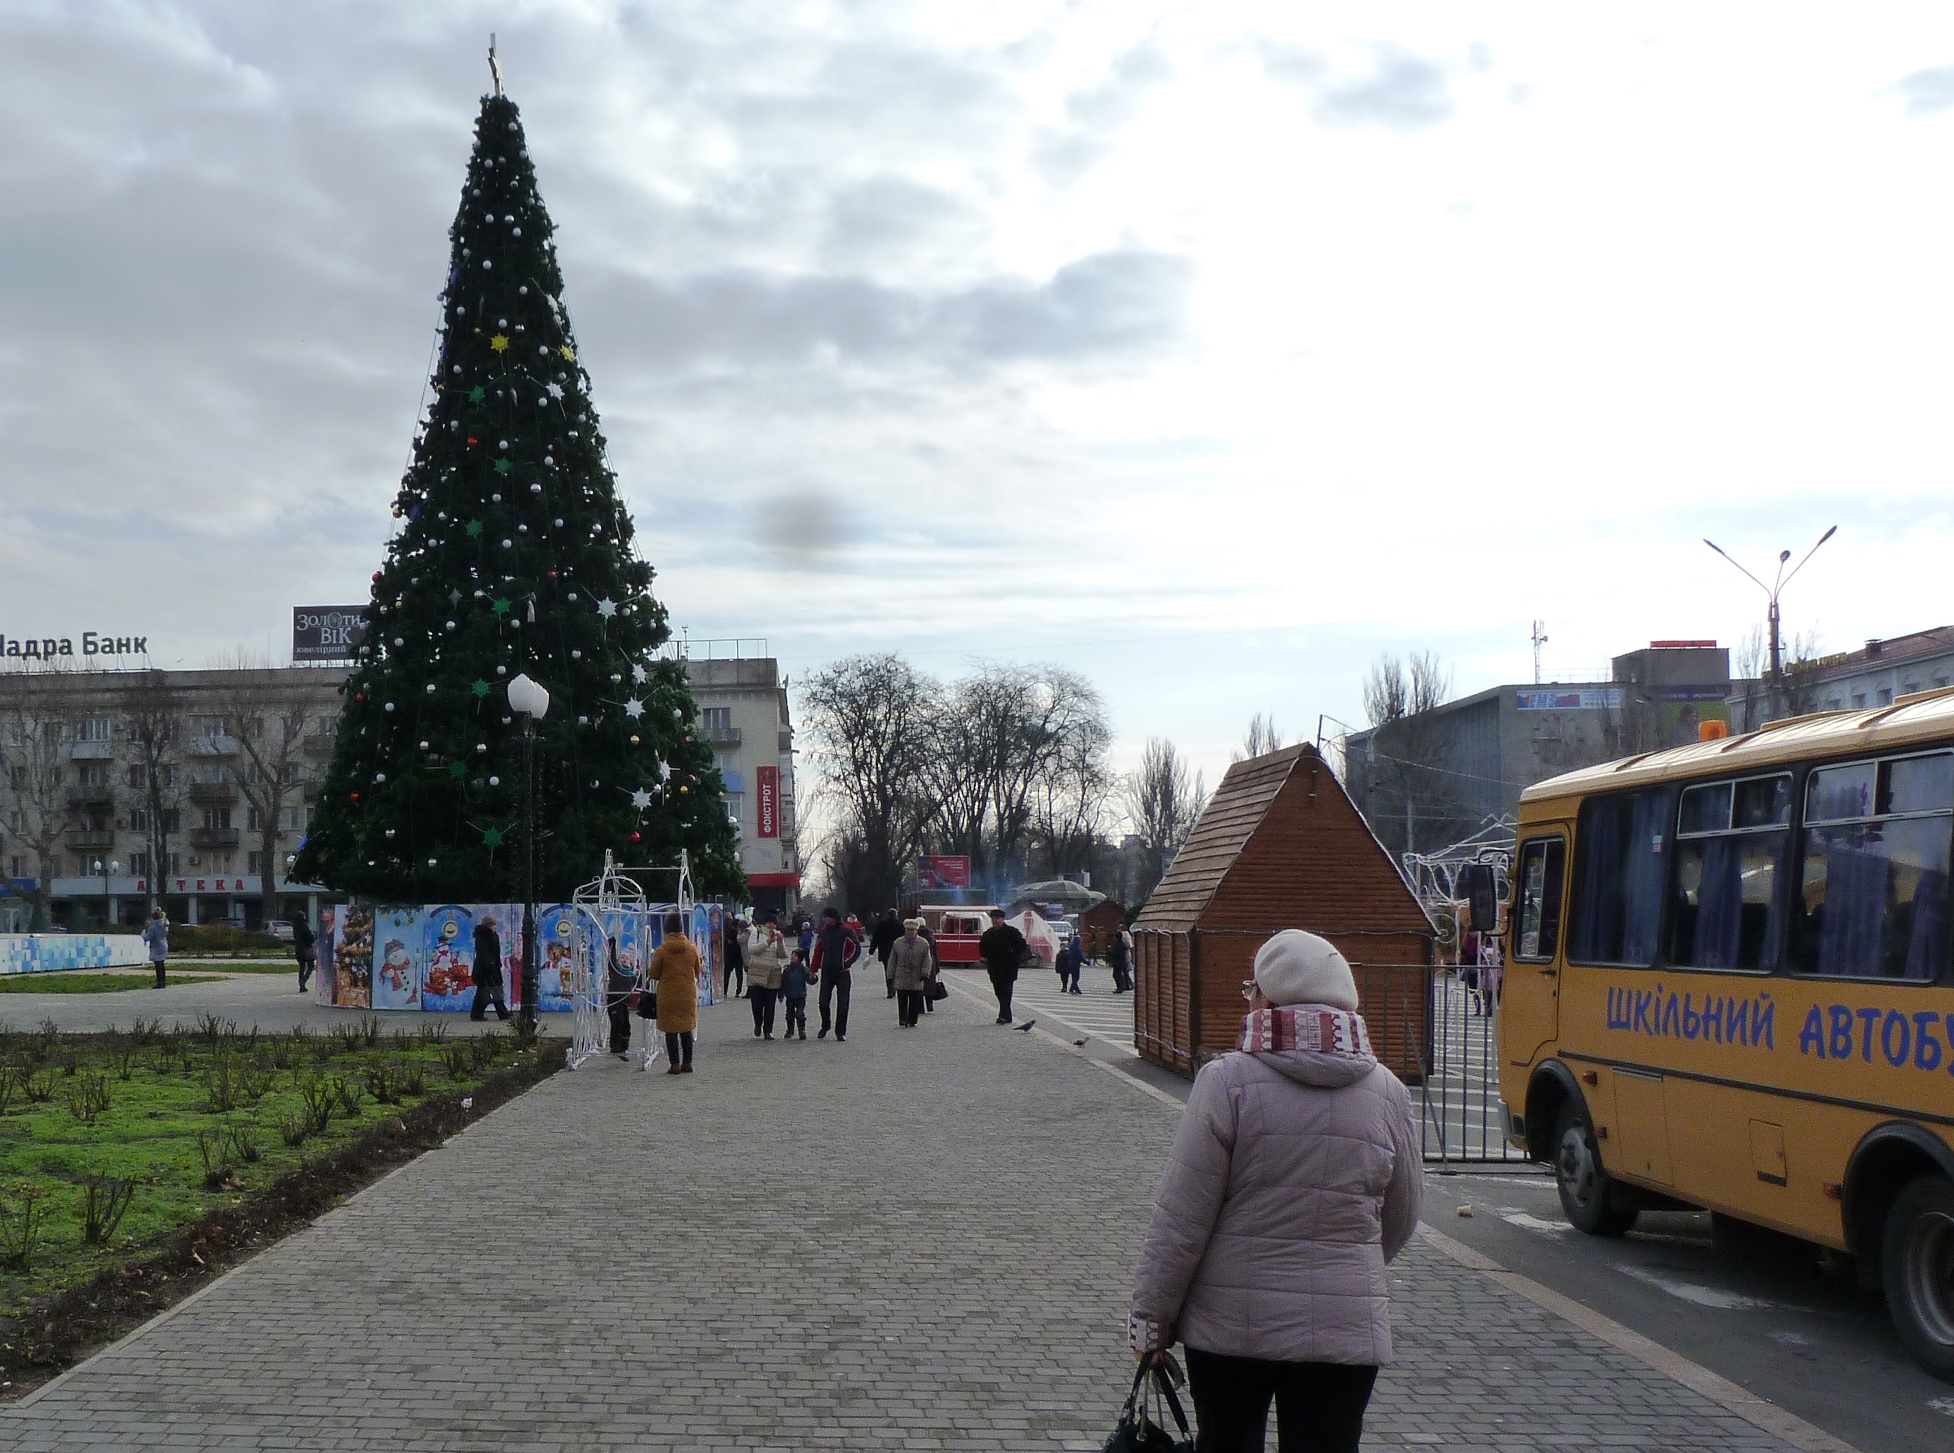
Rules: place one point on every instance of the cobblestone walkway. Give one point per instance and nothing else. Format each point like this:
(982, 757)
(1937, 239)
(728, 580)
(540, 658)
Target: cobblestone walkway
(917, 1239)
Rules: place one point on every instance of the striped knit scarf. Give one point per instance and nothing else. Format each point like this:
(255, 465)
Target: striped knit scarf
(1314, 1027)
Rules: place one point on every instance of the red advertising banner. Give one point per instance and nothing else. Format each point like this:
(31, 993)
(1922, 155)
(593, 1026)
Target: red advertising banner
(767, 802)
(943, 872)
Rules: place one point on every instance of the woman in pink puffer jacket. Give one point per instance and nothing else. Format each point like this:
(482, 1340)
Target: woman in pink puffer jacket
(1295, 1176)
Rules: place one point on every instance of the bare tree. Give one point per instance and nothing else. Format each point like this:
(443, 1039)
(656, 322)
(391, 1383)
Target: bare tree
(870, 720)
(1071, 798)
(1262, 737)
(1163, 802)
(152, 713)
(267, 721)
(1410, 791)
(36, 727)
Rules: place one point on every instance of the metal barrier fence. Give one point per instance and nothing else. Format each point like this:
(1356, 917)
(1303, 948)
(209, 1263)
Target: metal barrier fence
(1426, 1024)
(1458, 1099)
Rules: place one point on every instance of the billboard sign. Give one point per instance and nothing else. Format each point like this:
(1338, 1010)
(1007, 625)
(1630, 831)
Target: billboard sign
(766, 802)
(943, 872)
(327, 632)
(1561, 698)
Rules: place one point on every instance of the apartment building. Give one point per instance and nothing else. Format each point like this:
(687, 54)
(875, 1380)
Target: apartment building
(744, 711)
(123, 787)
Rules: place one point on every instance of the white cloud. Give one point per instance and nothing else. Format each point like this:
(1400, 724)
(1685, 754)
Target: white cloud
(1209, 350)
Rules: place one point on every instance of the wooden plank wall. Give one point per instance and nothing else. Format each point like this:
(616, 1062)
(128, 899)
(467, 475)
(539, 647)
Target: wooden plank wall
(1394, 998)
(1161, 1002)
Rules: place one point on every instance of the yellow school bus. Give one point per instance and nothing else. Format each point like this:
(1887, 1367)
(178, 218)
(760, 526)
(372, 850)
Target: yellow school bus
(1729, 986)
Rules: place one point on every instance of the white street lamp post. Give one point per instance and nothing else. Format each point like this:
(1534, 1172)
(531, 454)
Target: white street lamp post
(531, 702)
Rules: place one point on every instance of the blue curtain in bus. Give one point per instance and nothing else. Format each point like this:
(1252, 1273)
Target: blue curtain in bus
(1856, 885)
(1719, 904)
(1927, 944)
(1598, 873)
(1620, 871)
(1643, 885)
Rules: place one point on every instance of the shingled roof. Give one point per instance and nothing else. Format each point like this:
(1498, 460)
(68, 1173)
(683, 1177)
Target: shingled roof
(1240, 807)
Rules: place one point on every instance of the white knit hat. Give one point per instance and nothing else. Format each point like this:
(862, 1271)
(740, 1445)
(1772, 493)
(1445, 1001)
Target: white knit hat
(1294, 967)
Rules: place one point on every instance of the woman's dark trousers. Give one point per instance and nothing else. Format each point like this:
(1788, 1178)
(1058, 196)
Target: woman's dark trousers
(677, 1045)
(763, 1009)
(1319, 1405)
(909, 1005)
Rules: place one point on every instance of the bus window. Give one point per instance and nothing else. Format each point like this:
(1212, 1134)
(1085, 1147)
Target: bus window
(1731, 838)
(1872, 900)
(1543, 864)
(1620, 846)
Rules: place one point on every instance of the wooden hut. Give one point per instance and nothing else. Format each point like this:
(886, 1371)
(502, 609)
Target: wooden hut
(1099, 923)
(1279, 845)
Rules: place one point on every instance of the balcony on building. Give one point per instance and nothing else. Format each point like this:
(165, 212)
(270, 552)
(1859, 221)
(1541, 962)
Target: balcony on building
(208, 839)
(90, 751)
(213, 746)
(721, 736)
(220, 793)
(319, 745)
(91, 840)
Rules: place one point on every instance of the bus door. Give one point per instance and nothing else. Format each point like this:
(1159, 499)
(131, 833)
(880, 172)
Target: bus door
(1529, 1006)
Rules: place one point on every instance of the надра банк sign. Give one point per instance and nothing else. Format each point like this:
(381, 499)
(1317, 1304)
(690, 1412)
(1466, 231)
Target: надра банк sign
(327, 632)
(48, 648)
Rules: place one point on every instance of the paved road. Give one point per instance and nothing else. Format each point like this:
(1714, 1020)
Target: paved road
(920, 1238)
(1752, 1308)
(1095, 1011)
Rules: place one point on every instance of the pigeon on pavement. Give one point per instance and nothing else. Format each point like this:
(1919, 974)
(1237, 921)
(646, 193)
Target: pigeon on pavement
(1025, 1028)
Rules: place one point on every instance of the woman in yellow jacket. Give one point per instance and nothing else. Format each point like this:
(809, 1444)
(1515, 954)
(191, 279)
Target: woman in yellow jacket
(675, 969)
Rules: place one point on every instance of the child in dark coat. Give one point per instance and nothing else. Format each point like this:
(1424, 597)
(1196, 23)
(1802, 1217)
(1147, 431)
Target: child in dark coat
(793, 989)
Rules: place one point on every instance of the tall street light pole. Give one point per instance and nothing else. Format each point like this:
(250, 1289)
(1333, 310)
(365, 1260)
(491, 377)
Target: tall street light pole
(1771, 591)
(532, 703)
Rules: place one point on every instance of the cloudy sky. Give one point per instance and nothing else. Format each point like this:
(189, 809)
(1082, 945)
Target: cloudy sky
(1209, 349)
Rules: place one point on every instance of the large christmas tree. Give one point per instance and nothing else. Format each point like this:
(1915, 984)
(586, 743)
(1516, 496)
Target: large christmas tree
(514, 557)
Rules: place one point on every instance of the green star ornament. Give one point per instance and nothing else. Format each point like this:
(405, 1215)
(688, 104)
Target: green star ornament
(502, 607)
(502, 466)
(492, 837)
(480, 688)
(477, 394)
(474, 530)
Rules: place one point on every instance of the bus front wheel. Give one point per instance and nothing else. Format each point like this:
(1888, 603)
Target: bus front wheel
(1917, 1263)
(1587, 1192)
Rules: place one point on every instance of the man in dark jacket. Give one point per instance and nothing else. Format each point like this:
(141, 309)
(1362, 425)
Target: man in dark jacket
(305, 948)
(1002, 948)
(835, 952)
(735, 956)
(883, 942)
(488, 973)
(618, 984)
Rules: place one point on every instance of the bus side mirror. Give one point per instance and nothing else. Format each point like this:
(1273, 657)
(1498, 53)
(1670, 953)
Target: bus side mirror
(1477, 886)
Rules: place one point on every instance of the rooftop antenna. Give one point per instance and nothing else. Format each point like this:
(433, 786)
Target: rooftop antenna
(495, 66)
(1539, 640)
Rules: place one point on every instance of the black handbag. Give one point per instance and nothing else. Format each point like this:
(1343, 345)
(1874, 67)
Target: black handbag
(938, 990)
(647, 1003)
(1137, 1430)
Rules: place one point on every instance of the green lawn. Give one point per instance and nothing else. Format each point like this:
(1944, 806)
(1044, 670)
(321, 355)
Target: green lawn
(242, 966)
(87, 981)
(143, 1131)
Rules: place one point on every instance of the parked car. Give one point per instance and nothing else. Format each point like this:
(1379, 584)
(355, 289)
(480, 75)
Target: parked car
(280, 930)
